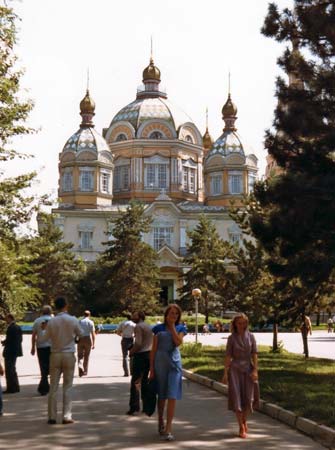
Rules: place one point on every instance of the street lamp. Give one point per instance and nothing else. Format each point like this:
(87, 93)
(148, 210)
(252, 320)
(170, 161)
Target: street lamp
(196, 294)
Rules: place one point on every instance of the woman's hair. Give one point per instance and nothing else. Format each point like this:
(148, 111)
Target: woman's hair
(173, 305)
(233, 326)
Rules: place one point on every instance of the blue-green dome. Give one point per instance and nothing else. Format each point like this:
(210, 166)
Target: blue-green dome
(86, 139)
(228, 142)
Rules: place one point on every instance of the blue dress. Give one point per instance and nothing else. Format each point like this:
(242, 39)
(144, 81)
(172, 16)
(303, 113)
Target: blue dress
(167, 362)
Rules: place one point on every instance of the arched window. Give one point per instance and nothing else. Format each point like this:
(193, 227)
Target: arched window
(156, 135)
(121, 137)
(188, 138)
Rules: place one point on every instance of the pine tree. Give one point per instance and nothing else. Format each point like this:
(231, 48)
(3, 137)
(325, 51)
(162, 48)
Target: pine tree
(206, 259)
(293, 214)
(128, 266)
(52, 262)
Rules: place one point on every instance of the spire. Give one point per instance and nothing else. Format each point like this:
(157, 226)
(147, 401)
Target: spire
(207, 140)
(151, 79)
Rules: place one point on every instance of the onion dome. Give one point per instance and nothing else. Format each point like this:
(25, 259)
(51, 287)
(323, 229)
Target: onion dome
(229, 112)
(207, 140)
(87, 108)
(229, 142)
(86, 138)
(151, 72)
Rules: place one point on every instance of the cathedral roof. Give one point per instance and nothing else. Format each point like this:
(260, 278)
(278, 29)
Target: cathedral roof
(86, 139)
(143, 109)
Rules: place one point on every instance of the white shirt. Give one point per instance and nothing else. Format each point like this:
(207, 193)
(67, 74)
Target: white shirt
(61, 331)
(87, 326)
(127, 328)
(39, 332)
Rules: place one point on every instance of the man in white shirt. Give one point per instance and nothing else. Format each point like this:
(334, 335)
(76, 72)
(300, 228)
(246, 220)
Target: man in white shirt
(61, 330)
(86, 342)
(126, 331)
(43, 349)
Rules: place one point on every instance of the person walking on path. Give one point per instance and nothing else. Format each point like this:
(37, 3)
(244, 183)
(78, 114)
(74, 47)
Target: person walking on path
(140, 352)
(126, 331)
(166, 368)
(306, 329)
(61, 330)
(43, 349)
(241, 372)
(86, 343)
(12, 350)
(330, 325)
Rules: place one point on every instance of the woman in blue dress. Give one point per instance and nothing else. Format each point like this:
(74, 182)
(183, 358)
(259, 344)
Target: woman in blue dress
(165, 366)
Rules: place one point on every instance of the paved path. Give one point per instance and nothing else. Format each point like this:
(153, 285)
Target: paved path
(100, 401)
(321, 344)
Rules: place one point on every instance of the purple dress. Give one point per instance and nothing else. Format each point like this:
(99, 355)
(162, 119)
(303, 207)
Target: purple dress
(243, 392)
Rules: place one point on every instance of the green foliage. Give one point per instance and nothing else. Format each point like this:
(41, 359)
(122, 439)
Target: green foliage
(206, 255)
(125, 277)
(52, 262)
(191, 350)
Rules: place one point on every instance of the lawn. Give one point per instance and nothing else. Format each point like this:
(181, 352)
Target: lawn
(306, 387)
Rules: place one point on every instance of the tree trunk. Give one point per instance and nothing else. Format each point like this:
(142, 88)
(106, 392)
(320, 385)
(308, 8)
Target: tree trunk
(275, 338)
(304, 333)
(318, 319)
(206, 310)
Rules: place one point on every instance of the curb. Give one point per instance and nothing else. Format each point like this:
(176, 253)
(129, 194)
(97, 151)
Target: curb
(320, 433)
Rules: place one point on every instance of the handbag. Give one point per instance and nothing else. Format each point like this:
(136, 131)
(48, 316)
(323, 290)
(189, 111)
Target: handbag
(150, 397)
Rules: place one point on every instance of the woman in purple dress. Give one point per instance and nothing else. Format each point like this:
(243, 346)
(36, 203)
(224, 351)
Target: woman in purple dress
(241, 372)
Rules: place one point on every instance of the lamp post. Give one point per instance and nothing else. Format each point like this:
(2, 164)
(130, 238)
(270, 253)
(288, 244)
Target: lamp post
(196, 294)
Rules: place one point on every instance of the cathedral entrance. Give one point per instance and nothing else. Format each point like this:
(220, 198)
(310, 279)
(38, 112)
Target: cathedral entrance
(166, 292)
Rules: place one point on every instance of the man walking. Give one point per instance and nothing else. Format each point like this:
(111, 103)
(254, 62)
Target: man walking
(61, 331)
(12, 350)
(126, 331)
(86, 342)
(43, 349)
(141, 361)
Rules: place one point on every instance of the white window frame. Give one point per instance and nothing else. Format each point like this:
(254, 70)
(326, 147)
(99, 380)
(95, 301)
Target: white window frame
(235, 182)
(67, 181)
(85, 239)
(86, 179)
(252, 178)
(105, 181)
(156, 176)
(216, 184)
(161, 236)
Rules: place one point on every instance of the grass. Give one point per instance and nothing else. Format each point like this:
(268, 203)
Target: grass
(306, 387)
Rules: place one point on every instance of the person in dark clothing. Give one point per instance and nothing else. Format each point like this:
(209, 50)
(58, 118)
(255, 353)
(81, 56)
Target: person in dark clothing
(12, 350)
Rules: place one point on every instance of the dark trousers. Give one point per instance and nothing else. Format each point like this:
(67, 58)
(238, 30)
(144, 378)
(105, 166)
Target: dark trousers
(43, 355)
(126, 344)
(139, 379)
(12, 380)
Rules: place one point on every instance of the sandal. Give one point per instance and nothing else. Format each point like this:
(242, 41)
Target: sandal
(169, 437)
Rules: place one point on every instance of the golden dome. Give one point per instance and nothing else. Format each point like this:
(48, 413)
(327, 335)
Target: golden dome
(207, 140)
(87, 105)
(151, 72)
(229, 109)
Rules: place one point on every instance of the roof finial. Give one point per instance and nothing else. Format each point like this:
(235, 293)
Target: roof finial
(151, 50)
(229, 82)
(88, 79)
(207, 118)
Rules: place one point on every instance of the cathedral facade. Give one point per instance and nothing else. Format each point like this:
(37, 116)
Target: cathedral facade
(154, 153)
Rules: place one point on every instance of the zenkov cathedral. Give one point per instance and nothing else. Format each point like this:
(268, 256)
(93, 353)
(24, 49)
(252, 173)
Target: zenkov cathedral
(154, 153)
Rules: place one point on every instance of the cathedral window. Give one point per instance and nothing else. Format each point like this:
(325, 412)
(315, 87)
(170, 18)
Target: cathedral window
(251, 181)
(156, 176)
(216, 184)
(235, 238)
(121, 137)
(162, 236)
(85, 238)
(189, 184)
(188, 138)
(156, 135)
(105, 182)
(86, 180)
(67, 184)
(121, 178)
(235, 182)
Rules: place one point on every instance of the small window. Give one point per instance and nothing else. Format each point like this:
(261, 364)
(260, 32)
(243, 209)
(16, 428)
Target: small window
(85, 238)
(86, 181)
(216, 184)
(121, 137)
(162, 235)
(67, 182)
(105, 177)
(188, 138)
(156, 135)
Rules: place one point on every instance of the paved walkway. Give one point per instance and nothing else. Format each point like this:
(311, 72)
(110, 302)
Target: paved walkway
(100, 401)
